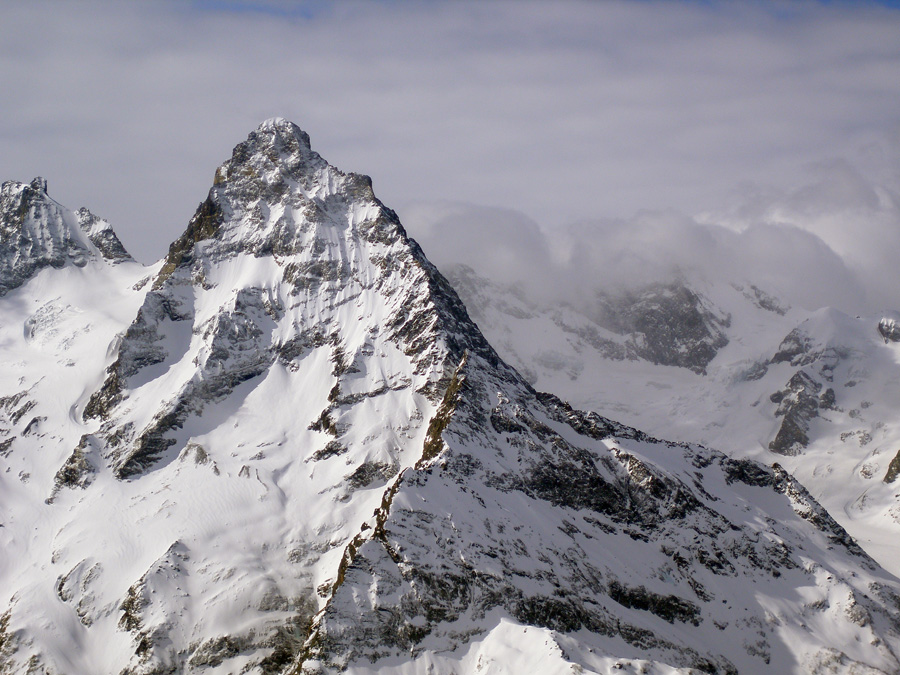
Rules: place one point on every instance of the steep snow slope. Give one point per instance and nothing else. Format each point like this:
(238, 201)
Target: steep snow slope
(287, 448)
(69, 288)
(811, 390)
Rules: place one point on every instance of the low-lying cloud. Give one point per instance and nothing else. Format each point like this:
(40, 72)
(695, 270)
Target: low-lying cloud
(831, 242)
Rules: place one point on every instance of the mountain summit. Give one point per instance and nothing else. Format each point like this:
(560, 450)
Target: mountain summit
(298, 454)
(37, 232)
(286, 255)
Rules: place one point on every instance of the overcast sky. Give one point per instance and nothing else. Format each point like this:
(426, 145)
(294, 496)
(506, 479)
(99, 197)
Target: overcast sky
(722, 118)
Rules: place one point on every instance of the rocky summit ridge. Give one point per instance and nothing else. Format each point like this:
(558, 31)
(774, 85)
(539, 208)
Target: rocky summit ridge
(287, 448)
(37, 232)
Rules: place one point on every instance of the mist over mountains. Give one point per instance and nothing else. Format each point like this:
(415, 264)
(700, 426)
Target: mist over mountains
(588, 112)
(828, 243)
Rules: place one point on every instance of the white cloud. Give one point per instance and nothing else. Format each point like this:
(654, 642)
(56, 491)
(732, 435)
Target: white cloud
(832, 241)
(575, 111)
(571, 263)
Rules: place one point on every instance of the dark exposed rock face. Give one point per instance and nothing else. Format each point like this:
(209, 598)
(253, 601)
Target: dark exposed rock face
(794, 349)
(809, 390)
(204, 225)
(889, 328)
(893, 469)
(36, 232)
(102, 236)
(667, 324)
(798, 403)
(78, 470)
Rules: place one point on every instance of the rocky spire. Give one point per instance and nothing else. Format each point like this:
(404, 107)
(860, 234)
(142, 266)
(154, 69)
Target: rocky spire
(281, 242)
(37, 232)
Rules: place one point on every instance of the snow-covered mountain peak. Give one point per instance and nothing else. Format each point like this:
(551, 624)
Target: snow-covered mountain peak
(275, 144)
(281, 126)
(39, 184)
(38, 232)
(286, 255)
(277, 158)
(276, 196)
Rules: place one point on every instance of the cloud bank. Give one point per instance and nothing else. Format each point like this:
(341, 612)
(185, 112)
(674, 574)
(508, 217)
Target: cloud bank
(834, 241)
(586, 112)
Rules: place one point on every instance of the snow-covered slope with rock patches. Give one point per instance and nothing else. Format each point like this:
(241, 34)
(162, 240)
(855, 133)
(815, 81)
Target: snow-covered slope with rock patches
(279, 371)
(287, 448)
(624, 548)
(68, 288)
(815, 391)
(37, 232)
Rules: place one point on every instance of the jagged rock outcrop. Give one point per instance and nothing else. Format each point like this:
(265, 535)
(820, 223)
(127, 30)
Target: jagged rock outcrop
(101, 235)
(666, 324)
(798, 404)
(36, 232)
(802, 347)
(817, 352)
(893, 469)
(889, 327)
